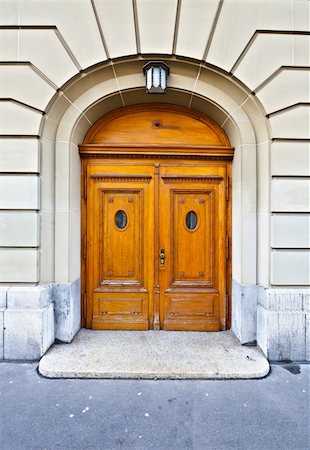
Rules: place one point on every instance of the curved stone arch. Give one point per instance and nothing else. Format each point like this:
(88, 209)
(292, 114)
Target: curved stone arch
(89, 96)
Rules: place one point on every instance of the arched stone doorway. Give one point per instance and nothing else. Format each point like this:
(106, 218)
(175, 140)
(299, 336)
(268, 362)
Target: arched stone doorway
(91, 95)
(156, 221)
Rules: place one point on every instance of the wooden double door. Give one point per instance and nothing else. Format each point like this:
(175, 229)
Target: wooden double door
(156, 245)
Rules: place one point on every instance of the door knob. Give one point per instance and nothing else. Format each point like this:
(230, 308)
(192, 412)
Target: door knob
(162, 257)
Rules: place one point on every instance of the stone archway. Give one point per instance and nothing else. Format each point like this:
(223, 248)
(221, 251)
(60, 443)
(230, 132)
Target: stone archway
(229, 103)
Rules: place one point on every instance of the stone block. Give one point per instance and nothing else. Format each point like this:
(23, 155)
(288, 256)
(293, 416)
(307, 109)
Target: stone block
(202, 17)
(156, 39)
(281, 325)
(33, 297)
(58, 67)
(292, 330)
(19, 155)
(118, 21)
(268, 332)
(18, 120)
(67, 306)
(307, 337)
(306, 301)
(244, 307)
(28, 333)
(19, 192)
(19, 265)
(19, 229)
(278, 53)
(24, 84)
(282, 299)
(236, 309)
(290, 230)
(282, 162)
(290, 195)
(77, 23)
(290, 267)
(237, 24)
(3, 296)
(1, 333)
(289, 87)
(291, 123)
(3, 300)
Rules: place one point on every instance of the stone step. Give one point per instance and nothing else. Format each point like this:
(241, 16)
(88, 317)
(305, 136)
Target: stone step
(154, 355)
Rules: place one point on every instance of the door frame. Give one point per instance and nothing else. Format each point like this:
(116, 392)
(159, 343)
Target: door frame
(110, 151)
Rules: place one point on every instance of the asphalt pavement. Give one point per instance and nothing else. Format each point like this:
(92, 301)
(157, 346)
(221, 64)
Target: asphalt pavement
(74, 414)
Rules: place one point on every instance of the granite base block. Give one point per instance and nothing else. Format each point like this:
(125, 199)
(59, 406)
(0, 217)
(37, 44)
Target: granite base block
(67, 306)
(3, 302)
(282, 324)
(1, 333)
(244, 311)
(28, 333)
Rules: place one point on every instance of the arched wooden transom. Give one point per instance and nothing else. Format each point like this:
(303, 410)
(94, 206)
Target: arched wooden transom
(159, 128)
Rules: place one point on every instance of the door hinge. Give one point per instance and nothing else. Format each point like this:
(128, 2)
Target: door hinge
(227, 189)
(227, 247)
(84, 246)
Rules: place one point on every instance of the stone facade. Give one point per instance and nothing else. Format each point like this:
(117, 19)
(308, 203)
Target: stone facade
(63, 67)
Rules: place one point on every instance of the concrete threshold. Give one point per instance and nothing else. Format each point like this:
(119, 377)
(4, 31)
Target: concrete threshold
(154, 355)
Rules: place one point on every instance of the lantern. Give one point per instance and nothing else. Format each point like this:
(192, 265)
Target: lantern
(156, 73)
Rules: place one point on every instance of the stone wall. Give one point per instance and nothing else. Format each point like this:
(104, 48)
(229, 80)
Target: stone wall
(61, 68)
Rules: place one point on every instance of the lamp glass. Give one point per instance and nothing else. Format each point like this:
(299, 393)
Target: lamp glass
(163, 78)
(156, 76)
(149, 78)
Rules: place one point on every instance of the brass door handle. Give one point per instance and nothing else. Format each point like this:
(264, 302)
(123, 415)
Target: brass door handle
(162, 257)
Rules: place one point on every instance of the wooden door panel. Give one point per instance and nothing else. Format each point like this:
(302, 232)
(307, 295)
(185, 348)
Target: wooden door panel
(194, 312)
(120, 246)
(123, 268)
(192, 279)
(199, 306)
(192, 249)
(115, 310)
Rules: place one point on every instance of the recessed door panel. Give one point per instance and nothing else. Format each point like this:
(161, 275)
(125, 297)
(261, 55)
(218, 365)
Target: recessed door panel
(192, 236)
(121, 225)
(120, 246)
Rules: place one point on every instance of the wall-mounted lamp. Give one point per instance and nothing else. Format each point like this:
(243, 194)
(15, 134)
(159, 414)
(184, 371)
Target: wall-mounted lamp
(156, 73)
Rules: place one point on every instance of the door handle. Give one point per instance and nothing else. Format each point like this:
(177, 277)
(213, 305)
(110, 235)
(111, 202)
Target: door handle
(162, 257)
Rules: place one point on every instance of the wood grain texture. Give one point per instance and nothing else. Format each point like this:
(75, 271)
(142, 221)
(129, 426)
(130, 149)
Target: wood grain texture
(193, 279)
(154, 125)
(119, 259)
(124, 286)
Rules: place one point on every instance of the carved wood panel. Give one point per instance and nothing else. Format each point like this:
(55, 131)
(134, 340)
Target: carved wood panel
(119, 226)
(192, 249)
(121, 250)
(134, 212)
(192, 235)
